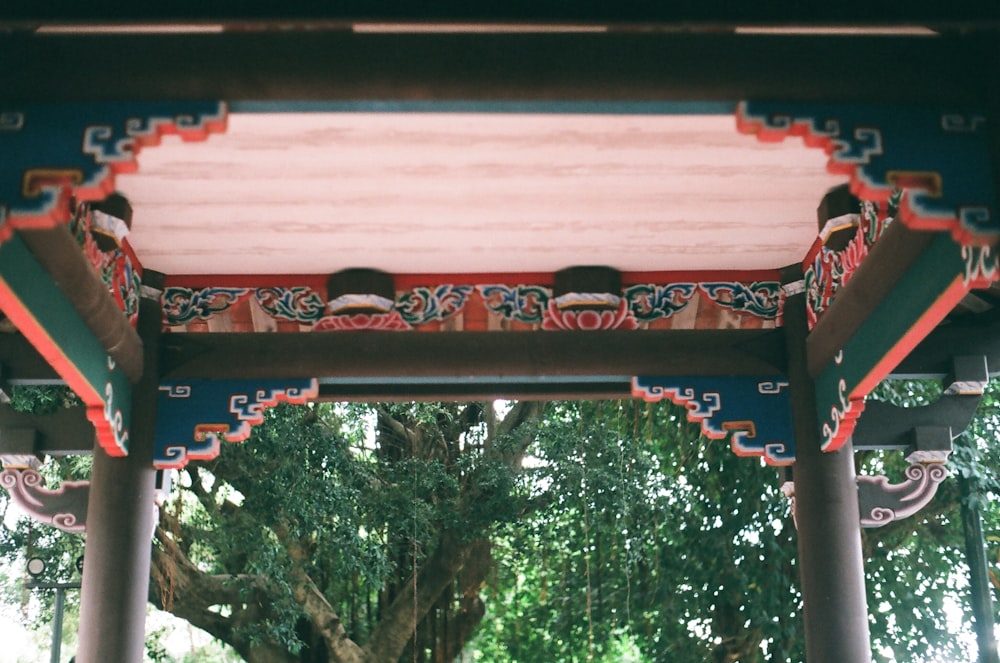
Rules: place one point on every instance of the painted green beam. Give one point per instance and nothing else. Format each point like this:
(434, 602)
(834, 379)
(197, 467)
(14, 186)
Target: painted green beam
(30, 299)
(864, 339)
(58, 252)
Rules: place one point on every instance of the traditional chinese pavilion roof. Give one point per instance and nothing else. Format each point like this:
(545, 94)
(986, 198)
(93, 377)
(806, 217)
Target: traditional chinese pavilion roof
(462, 172)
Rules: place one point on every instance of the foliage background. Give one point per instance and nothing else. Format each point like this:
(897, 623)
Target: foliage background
(619, 534)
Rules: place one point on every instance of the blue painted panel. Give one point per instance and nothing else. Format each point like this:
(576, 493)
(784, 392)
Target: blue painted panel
(755, 411)
(195, 416)
(46, 147)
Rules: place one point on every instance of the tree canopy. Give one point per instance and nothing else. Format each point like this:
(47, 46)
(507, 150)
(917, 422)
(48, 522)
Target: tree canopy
(528, 532)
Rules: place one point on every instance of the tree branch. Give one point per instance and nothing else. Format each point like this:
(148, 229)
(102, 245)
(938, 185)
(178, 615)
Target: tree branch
(411, 605)
(394, 426)
(471, 611)
(322, 615)
(526, 415)
(179, 587)
(328, 625)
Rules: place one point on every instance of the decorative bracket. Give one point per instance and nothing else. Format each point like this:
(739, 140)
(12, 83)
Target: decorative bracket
(756, 411)
(195, 416)
(788, 490)
(924, 434)
(65, 508)
(928, 439)
(882, 502)
(927, 433)
(588, 298)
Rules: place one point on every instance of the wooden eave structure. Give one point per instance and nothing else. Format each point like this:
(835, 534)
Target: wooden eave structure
(775, 353)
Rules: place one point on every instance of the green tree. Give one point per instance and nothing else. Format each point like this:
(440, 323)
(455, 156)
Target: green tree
(317, 542)
(650, 537)
(703, 555)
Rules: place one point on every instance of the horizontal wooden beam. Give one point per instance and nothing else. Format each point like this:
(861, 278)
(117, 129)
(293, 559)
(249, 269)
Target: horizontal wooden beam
(887, 426)
(64, 432)
(41, 311)
(340, 66)
(890, 259)
(756, 350)
(933, 357)
(680, 13)
(395, 390)
(22, 365)
(482, 355)
(906, 312)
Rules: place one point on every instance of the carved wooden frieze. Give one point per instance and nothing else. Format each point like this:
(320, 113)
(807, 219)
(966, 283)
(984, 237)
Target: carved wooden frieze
(184, 305)
(112, 259)
(827, 269)
(713, 303)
